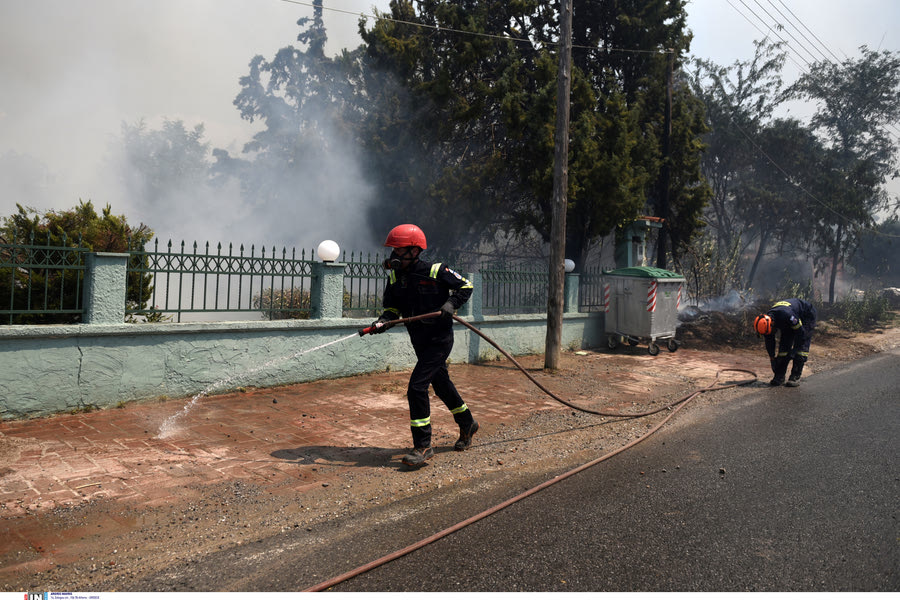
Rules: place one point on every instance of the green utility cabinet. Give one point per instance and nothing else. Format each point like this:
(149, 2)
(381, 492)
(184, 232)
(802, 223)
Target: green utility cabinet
(641, 303)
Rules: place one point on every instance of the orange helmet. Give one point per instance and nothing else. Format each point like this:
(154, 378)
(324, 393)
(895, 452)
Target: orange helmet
(402, 236)
(763, 325)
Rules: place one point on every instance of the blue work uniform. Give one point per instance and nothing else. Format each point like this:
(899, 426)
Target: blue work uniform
(795, 319)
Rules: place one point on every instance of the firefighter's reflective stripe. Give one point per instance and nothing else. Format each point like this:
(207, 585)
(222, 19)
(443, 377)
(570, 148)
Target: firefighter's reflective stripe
(393, 311)
(420, 422)
(781, 303)
(467, 285)
(435, 269)
(392, 277)
(803, 355)
(782, 354)
(798, 325)
(461, 409)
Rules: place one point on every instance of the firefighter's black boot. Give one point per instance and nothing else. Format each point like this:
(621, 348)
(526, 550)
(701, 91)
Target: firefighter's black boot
(796, 370)
(779, 367)
(418, 457)
(465, 436)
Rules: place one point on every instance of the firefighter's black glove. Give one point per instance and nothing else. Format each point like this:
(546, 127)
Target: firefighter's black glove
(447, 310)
(380, 326)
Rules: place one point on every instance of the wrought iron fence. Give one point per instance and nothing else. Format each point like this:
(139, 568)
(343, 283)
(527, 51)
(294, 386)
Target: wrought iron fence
(43, 279)
(515, 290)
(41, 283)
(364, 281)
(590, 290)
(274, 284)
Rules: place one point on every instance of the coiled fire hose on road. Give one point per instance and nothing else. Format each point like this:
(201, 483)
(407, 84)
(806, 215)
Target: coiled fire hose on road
(675, 406)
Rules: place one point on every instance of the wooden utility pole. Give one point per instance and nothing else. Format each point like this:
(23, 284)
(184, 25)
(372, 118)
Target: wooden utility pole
(556, 291)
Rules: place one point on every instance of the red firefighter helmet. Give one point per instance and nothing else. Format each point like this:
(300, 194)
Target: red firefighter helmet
(763, 325)
(402, 236)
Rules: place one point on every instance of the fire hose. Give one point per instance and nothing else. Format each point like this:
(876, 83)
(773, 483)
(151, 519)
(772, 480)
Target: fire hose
(372, 329)
(675, 406)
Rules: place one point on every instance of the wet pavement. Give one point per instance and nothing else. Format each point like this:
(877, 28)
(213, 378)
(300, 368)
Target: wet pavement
(282, 436)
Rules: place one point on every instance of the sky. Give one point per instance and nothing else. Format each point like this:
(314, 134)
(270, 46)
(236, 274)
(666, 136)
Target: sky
(72, 72)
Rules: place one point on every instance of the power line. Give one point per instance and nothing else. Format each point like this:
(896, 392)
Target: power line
(765, 35)
(890, 129)
(783, 27)
(822, 44)
(472, 33)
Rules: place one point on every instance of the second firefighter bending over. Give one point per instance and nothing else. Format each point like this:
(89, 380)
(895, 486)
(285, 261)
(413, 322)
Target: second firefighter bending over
(795, 319)
(416, 287)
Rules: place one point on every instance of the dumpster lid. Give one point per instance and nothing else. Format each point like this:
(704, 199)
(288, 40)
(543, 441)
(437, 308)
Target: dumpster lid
(646, 272)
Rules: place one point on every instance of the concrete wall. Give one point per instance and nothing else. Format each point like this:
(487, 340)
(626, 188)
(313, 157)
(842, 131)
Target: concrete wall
(47, 369)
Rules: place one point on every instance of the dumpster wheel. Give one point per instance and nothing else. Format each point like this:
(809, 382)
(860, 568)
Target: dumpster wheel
(613, 341)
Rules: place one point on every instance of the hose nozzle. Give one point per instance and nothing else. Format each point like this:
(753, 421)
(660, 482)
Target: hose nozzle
(374, 327)
(371, 329)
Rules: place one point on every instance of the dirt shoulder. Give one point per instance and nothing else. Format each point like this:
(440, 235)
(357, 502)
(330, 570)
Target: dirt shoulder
(107, 543)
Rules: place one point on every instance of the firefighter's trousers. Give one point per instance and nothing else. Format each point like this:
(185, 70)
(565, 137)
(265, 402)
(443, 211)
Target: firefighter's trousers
(799, 353)
(431, 369)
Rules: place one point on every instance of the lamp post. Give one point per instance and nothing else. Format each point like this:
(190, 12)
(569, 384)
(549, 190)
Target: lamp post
(327, 293)
(328, 251)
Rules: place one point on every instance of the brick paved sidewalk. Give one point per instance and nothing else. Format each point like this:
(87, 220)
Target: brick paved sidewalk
(263, 434)
(283, 436)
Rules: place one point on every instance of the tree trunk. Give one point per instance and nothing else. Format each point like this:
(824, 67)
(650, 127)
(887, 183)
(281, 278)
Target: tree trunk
(835, 261)
(763, 242)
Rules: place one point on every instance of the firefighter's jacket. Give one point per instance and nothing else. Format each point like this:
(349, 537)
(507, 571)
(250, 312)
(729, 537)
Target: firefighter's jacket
(795, 319)
(421, 289)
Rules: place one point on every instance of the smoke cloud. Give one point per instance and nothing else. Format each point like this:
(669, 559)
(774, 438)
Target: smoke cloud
(74, 73)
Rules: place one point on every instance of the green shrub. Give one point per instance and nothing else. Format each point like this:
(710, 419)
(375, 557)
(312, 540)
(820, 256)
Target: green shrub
(859, 313)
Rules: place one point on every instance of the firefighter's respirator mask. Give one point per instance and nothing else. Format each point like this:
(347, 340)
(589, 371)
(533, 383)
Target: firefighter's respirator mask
(398, 255)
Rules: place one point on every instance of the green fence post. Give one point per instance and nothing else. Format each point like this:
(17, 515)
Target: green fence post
(327, 293)
(465, 311)
(104, 288)
(570, 298)
(476, 302)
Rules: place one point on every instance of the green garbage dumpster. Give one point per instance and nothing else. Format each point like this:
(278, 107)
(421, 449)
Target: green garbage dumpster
(641, 303)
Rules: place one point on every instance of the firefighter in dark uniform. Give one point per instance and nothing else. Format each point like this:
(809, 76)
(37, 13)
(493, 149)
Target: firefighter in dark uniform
(795, 319)
(416, 287)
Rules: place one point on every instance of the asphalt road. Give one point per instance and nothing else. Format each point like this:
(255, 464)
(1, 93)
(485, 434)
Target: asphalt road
(789, 490)
(779, 490)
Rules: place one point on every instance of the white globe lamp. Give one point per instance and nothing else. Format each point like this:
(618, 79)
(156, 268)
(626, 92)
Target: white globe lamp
(328, 251)
(570, 265)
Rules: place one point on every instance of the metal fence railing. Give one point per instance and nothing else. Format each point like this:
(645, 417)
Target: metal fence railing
(590, 290)
(364, 280)
(512, 291)
(274, 284)
(41, 282)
